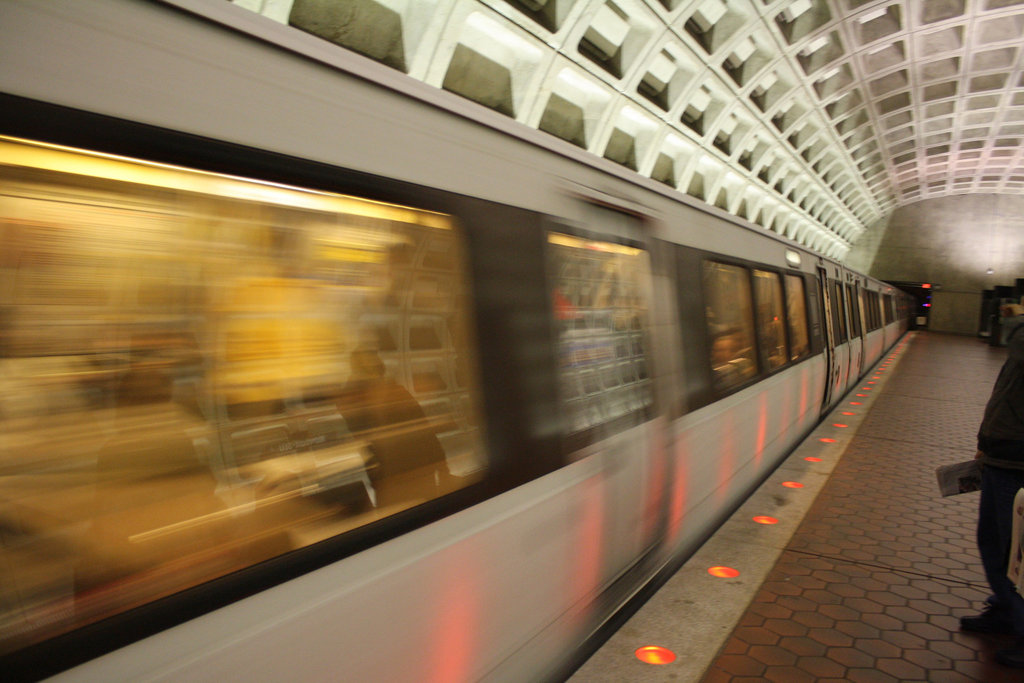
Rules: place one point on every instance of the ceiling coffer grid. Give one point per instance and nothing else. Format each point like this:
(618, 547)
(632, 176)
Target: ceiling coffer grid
(811, 118)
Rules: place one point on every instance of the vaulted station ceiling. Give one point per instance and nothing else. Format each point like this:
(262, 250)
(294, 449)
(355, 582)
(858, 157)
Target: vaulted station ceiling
(811, 118)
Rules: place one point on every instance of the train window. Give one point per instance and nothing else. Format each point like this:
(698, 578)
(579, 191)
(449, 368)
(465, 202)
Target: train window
(796, 309)
(861, 312)
(601, 307)
(771, 332)
(730, 320)
(865, 307)
(838, 314)
(852, 311)
(200, 372)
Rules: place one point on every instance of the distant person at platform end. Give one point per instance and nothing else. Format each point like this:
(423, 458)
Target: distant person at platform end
(1001, 451)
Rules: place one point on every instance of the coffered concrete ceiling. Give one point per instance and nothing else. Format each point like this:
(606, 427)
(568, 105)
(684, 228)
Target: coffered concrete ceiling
(812, 118)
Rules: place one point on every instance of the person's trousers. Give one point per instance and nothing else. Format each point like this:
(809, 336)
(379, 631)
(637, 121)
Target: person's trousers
(995, 526)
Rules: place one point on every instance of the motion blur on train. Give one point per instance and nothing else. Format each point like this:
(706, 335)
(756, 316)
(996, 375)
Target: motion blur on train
(353, 384)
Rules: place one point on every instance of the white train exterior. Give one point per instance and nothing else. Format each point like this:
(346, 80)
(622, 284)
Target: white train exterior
(509, 577)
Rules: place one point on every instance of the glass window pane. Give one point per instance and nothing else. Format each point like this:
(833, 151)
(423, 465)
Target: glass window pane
(771, 333)
(796, 308)
(730, 319)
(839, 315)
(199, 373)
(851, 309)
(861, 313)
(600, 302)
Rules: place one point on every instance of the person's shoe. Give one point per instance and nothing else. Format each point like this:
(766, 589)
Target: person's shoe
(1012, 657)
(991, 620)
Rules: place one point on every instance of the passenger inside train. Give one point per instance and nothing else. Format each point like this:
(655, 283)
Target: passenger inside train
(796, 320)
(408, 458)
(730, 365)
(730, 323)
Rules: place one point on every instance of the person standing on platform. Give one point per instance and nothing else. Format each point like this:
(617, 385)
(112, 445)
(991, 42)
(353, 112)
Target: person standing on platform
(1001, 452)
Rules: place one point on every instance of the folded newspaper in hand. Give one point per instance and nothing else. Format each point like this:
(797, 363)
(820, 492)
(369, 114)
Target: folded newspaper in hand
(961, 477)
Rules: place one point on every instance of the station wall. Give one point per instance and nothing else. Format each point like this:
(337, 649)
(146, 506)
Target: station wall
(964, 244)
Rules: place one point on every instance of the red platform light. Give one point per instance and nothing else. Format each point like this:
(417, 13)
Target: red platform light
(765, 519)
(811, 458)
(856, 403)
(723, 572)
(848, 412)
(792, 485)
(840, 425)
(655, 654)
(827, 440)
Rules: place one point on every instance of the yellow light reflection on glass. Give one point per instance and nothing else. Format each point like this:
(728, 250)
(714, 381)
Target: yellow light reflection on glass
(580, 243)
(17, 152)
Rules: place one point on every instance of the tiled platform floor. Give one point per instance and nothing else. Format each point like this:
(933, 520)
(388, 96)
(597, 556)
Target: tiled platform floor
(872, 584)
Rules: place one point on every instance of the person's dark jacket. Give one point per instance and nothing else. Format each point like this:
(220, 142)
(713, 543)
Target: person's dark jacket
(1001, 435)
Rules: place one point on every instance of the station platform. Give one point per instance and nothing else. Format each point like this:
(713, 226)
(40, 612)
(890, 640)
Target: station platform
(867, 569)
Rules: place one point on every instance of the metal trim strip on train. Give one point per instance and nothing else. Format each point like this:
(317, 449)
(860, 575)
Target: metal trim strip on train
(421, 395)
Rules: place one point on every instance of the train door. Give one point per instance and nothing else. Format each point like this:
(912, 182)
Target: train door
(602, 296)
(831, 363)
(841, 337)
(860, 312)
(856, 338)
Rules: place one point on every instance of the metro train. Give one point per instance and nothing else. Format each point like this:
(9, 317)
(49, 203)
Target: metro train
(312, 372)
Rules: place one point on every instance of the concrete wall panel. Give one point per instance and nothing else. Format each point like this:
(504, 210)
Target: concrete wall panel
(953, 242)
(955, 312)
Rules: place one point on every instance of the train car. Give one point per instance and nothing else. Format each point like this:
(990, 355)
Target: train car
(313, 372)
